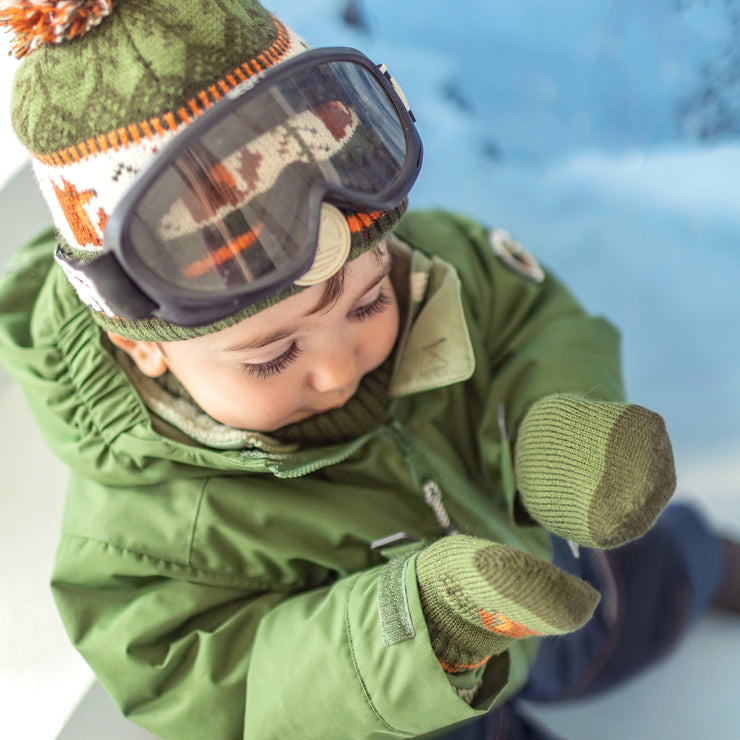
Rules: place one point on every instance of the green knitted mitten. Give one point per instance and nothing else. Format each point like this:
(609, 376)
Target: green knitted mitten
(597, 473)
(478, 596)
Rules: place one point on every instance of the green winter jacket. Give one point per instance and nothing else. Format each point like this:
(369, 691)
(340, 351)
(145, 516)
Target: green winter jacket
(229, 593)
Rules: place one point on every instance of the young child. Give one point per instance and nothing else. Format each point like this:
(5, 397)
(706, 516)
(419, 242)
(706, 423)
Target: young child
(331, 464)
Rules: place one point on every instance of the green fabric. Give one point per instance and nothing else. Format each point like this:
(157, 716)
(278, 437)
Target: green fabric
(64, 93)
(376, 696)
(234, 593)
(440, 340)
(393, 604)
(478, 596)
(594, 472)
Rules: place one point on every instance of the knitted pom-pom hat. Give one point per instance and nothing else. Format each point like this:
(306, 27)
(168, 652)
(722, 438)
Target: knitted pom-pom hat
(105, 84)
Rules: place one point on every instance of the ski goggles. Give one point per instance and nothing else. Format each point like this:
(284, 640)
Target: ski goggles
(229, 212)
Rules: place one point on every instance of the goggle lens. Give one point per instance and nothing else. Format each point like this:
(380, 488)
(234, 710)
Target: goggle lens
(238, 206)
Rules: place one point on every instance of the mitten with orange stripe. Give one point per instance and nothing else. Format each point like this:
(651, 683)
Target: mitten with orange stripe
(477, 596)
(595, 472)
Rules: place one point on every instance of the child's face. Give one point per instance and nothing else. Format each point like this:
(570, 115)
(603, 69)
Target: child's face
(287, 362)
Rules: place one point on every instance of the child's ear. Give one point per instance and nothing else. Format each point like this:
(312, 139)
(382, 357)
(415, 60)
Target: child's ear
(147, 355)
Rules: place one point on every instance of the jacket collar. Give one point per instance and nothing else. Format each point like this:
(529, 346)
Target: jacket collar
(434, 348)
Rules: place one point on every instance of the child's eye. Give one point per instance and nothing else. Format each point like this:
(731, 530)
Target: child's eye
(376, 306)
(263, 370)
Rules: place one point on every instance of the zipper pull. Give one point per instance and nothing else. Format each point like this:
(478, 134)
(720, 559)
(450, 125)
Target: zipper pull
(433, 497)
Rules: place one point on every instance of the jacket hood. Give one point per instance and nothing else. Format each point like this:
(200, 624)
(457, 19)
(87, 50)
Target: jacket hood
(88, 410)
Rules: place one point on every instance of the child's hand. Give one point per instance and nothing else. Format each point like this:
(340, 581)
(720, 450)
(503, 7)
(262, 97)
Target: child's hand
(597, 473)
(478, 596)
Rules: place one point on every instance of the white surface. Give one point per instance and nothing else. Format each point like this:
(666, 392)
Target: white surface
(12, 153)
(41, 676)
(692, 695)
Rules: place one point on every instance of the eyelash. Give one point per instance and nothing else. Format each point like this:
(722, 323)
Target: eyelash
(264, 370)
(373, 308)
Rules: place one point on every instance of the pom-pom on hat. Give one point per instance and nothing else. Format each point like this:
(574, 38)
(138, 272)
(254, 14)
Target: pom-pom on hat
(105, 84)
(47, 22)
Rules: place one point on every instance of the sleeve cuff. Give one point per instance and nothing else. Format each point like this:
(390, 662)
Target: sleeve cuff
(403, 679)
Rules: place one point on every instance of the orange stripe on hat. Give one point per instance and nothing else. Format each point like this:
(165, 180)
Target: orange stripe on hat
(359, 221)
(123, 137)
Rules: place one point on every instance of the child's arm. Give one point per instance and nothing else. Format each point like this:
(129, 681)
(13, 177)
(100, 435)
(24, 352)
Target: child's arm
(587, 467)
(192, 654)
(478, 596)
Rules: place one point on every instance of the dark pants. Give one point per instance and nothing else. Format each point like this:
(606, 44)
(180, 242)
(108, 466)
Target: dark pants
(652, 591)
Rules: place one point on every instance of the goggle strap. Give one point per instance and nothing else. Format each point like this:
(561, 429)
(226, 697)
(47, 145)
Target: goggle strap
(104, 276)
(399, 90)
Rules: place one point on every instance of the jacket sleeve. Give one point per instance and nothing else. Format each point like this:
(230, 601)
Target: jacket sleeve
(187, 657)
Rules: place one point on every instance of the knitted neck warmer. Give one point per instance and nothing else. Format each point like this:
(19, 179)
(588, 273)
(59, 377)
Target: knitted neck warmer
(365, 411)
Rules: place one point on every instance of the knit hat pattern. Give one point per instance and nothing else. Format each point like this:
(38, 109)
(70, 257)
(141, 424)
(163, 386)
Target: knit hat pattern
(105, 84)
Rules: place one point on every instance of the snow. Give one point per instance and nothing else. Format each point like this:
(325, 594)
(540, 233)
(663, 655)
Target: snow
(600, 135)
(566, 124)
(605, 136)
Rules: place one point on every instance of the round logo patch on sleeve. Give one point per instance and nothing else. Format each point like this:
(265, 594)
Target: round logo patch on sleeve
(515, 256)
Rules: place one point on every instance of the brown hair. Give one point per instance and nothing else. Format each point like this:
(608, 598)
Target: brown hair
(334, 288)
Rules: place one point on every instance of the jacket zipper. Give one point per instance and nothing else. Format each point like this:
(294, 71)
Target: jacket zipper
(432, 491)
(323, 462)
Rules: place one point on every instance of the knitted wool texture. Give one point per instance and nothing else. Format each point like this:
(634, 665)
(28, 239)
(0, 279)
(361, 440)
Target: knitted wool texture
(477, 596)
(95, 104)
(46, 22)
(596, 473)
(363, 413)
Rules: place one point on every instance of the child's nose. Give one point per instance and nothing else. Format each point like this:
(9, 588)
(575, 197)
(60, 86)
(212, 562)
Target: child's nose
(335, 369)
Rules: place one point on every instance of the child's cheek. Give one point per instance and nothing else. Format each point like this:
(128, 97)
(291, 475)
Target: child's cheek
(264, 405)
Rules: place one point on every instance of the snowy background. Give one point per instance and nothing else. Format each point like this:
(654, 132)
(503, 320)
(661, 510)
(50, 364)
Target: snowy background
(605, 136)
